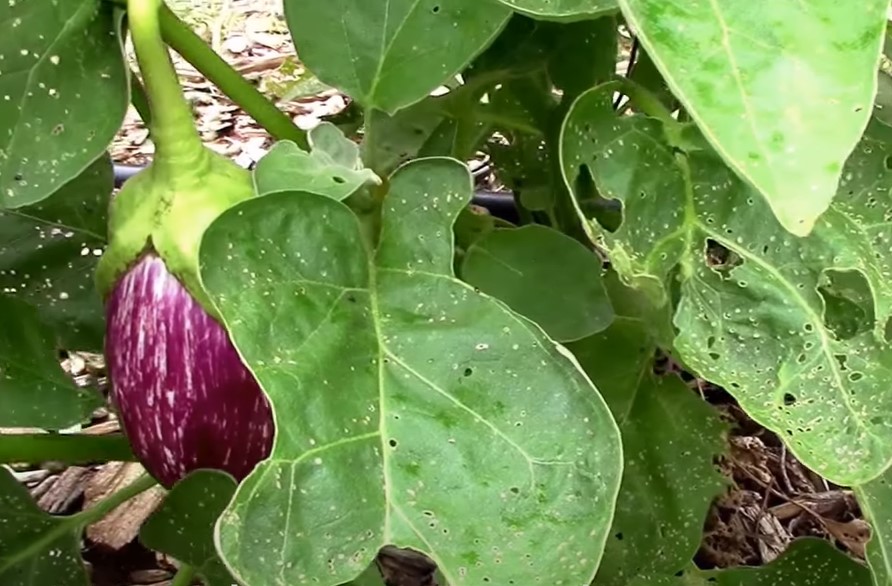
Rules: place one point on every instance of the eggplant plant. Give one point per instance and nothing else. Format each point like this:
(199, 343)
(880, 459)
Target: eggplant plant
(335, 354)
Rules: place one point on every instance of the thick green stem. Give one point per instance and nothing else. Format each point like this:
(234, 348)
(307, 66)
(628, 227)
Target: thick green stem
(67, 448)
(194, 50)
(177, 143)
(184, 576)
(114, 500)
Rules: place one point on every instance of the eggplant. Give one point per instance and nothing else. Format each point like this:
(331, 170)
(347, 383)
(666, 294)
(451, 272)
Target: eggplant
(185, 399)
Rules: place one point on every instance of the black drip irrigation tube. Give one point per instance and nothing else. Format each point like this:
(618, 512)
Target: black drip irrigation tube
(499, 204)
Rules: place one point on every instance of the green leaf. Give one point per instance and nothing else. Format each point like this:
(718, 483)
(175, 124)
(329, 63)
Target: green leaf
(783, 112)
(34, 390)
(749, 313)
(660, 512)
(48, 253)
(584, 54)
(665, 428)
(36, 548)
(332, 167)
(401, 137)
(183, 526)
(410, 409)
(544, 275)
(645, 73)
(562, 10)
(875, 500)
(63, 93)
(883, 105)
(380, 52)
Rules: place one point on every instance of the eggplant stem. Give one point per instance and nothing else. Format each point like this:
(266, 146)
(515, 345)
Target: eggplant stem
(177, 143)
(193, 49)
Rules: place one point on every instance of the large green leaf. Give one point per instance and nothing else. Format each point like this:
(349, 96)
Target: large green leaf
(63, 93)
(34, 390)
(875, 500)
(750, 314)
(36, 548)
(183, 526)
(665, 428)
(48, 252)
(388, 54)
(783, 90)
(332, 167)
(410, 409)
(544, 275)
(564, 10)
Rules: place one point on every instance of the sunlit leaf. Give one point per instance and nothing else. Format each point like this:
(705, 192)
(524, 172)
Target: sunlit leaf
(332, 167)
(783, 90)
(410, 409)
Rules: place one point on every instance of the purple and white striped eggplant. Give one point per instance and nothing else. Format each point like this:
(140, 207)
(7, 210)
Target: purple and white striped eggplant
(185, 399)
(184, 396)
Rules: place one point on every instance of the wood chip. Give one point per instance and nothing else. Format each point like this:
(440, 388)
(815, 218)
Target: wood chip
(67, 488)
(121, 526)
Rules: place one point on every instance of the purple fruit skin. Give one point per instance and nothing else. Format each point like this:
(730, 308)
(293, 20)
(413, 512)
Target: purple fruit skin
(185, 399)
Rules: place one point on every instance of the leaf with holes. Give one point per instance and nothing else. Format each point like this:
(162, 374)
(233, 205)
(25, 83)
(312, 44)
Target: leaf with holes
(183, 526)
(332, 167)
(563, 10)
(34, 390)
(48, 252)
(381, 54)
(544, 275)
(751, 306)
(665, 428)
(63, 93)
(481, 442)
(783, 111)
(36, 548)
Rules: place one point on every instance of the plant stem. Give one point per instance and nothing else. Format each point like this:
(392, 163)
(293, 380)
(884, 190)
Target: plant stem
(184, 576)
(70, 448)
(177, 143)
(194, 50)
(114, 500)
